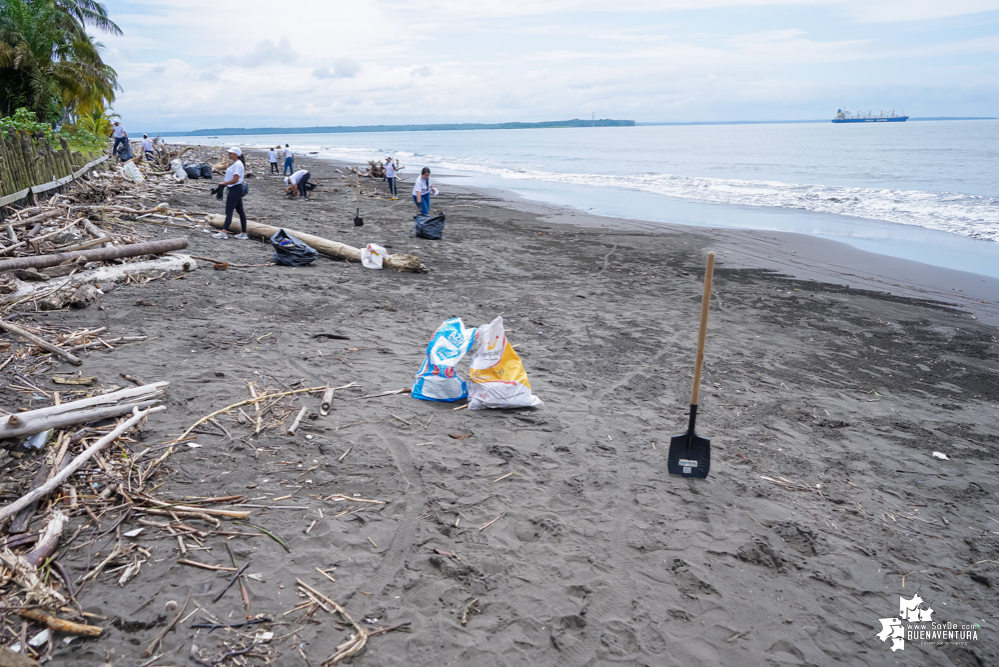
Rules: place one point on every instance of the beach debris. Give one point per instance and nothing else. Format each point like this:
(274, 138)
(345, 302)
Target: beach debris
(469, 608)
(941, 456)
(497, 378)
(398, 261)
(437, 379)
(372, 256)
(690, 454)
(486, 525)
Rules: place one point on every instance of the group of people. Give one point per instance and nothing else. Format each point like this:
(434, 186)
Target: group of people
(121, 143)
(296, 182)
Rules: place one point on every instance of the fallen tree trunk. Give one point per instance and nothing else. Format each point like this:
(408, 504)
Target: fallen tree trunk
(99, 255)
(77, 463)
(100, 275)
(327, 247)
(79, 412)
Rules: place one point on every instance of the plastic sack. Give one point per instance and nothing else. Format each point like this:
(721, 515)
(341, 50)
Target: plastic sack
(132, 172)
(372, 256)
(206, 170)
(497, 376)
(427, 227)
(178, 170)
(289, 251)
(125, 152)
(437, 379)
(192, 171)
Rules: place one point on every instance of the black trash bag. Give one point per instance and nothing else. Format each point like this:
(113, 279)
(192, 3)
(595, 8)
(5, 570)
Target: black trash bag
(193, 171)
(206, 170)
(125, 152)
(427, 227)
(309, 186)
(289, 251)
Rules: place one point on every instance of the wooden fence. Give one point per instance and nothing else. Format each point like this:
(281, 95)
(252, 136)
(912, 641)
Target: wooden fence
(29, 165)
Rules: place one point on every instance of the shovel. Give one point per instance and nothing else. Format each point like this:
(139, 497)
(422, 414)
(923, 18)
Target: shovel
(358, 220)
(689, 453)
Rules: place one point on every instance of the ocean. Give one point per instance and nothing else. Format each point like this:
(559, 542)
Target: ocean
(921, 190)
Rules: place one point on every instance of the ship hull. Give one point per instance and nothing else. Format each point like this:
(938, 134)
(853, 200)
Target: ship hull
(898, 119)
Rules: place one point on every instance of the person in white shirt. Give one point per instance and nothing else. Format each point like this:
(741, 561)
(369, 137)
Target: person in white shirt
(289, 161)
(235, 190)
(390, 172)
(422, 191)
(120, 136)
(272, 158)
(147, 148)
(298, 181)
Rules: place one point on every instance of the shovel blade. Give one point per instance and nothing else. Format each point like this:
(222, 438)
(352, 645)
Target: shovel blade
(689, 455)
(358, 222)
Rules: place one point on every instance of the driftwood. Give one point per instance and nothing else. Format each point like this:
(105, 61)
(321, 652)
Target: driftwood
(59, 625)
(42, 343)
(35, 219)
(298, 420)
(77, 412)
(49, 539)
(10, 659)
(325, 246)
(327, 403)
(99, 255)
(101, 275)
(77, 463)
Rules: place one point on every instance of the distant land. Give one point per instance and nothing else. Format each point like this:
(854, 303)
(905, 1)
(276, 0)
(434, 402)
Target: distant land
(575, 122)
(781, 122)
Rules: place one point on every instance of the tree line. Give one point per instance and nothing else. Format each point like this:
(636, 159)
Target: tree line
(51, 66)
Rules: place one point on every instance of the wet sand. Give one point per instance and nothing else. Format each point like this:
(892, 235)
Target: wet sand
(824, 404)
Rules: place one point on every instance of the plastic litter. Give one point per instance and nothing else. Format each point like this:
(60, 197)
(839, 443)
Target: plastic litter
(132, 172)
(289, 251)
(38, 440)
(178, 170)
(427, 227)
(372, 256)
(437, 379)
(941, 456)
(497, 376)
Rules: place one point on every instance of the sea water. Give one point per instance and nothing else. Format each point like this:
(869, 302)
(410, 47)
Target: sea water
(922, 190)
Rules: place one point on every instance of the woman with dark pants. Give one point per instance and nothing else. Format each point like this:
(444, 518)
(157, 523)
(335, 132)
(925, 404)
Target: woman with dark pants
(422, 190)
(234, 194)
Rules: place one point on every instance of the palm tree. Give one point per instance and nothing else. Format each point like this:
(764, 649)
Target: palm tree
(97, 121)
(48, 62)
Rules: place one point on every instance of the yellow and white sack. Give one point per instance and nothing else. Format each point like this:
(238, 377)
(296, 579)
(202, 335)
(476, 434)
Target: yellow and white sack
(497, 378)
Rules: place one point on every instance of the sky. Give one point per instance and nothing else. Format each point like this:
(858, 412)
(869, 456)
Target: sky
(192, 64)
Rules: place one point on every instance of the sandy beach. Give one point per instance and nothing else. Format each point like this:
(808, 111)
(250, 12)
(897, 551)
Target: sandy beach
(832, 376)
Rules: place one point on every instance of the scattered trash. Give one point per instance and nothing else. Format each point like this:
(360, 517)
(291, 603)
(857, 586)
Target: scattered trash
(941, 456)
(372, 256)
(497, 375)
(437, 379)
(133, 533)
(290, 251)
(132, 172)
(38, 440)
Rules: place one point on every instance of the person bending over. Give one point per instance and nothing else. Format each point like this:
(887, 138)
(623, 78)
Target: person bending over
(422, 191)
(289, 161)
(235, 189)
(297, 181)
(272, 158)
(390, 172)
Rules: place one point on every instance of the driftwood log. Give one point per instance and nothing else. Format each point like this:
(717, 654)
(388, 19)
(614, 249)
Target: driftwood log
(327, 247)
(99, 255)
(78, 412)
(77, 463)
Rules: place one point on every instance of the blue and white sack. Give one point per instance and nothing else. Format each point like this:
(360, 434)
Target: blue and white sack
(437, 379)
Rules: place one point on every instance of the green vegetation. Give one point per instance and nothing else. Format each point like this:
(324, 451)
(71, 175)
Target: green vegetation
(77, 136)
(575, 122)
(49, 65)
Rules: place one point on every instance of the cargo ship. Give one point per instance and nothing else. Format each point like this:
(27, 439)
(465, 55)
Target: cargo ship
(847, 117)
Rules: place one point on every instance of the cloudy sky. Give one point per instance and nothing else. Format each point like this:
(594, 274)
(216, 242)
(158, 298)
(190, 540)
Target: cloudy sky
(189, 64)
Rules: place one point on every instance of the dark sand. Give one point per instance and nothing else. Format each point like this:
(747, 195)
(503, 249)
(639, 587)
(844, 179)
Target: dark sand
(600, 557)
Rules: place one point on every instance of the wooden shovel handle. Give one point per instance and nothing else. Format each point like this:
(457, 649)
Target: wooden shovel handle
(703, 332)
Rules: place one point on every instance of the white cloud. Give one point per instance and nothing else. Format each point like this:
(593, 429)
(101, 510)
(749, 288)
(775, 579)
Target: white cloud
(187, 64)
